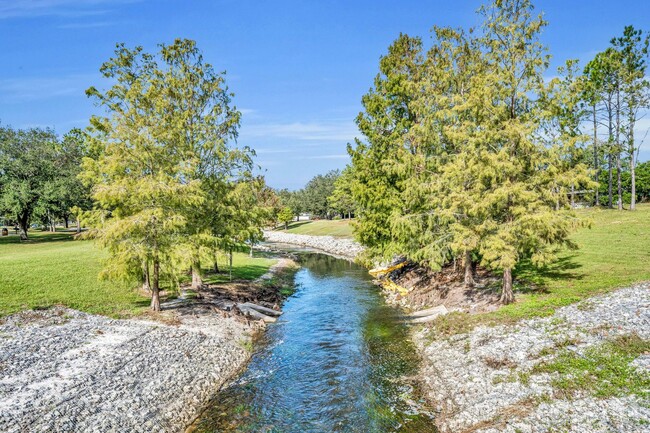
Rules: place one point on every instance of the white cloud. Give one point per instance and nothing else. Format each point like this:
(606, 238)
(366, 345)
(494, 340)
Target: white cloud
(31, 89)
(308, 131)
(67, 8)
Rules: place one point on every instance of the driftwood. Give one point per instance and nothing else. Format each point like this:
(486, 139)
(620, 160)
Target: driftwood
(267, 311)
(258, 312)
(427, 315)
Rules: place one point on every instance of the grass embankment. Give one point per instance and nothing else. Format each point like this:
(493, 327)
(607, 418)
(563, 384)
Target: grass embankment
(336, 228)
(52, 268)
(613, 253)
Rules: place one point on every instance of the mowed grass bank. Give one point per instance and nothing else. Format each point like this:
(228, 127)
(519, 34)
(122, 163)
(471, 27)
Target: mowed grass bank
(52, 268)
(613, 253)
(336, 228)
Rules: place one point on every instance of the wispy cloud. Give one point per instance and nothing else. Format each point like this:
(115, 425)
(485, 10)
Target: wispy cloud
(65, 8)
(89, 25)
(310, 131)
(338, 156)
(36, 88)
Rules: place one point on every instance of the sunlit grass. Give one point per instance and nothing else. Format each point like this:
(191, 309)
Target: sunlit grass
(52, 268)
(337, 228)
(613, 253)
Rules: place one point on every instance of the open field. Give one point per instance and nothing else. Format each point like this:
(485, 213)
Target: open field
(336, 228)
(52, 268)
(613, 253)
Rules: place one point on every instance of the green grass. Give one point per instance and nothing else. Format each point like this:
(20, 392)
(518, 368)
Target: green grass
(613, 253)
(336, 228)
(52, 268)
(603, 371)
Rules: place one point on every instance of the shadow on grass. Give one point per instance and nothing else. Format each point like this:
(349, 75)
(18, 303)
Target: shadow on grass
(296, 224)
(535, 279)
(247, 272)
(37, 238)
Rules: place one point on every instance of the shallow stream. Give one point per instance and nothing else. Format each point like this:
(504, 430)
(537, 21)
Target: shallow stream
(338, 360)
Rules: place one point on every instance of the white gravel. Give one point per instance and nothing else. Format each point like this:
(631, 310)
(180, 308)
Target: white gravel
(474, 378)
(62, 370)
(346, 248)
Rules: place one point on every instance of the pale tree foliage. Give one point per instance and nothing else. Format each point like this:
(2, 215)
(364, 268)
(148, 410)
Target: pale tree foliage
(165, 163)
(478, 155)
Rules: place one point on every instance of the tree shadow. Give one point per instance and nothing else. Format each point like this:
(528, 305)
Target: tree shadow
(296, 224)
(535, 279)
(37, 238)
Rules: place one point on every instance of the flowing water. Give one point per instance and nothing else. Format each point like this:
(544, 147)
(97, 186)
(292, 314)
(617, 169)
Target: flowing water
(338, 360)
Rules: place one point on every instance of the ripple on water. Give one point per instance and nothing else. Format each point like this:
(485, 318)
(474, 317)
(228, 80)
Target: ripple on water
(338, 361)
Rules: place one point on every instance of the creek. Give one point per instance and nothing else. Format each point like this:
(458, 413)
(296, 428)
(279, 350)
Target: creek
(338, 360)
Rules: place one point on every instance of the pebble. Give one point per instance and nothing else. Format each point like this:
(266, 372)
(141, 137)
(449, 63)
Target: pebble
(67, 371)
(474, 377)
(340, 247)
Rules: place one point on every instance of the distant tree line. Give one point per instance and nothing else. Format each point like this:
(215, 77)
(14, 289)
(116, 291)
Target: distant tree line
(325, 196)
(39, 177)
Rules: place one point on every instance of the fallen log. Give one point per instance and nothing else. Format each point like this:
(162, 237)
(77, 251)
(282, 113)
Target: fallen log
(256, 314)
(264, 310)
(427, 315)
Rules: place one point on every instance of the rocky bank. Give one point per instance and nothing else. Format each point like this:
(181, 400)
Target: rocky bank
(62, 370)
(486, 380)
(339, 247)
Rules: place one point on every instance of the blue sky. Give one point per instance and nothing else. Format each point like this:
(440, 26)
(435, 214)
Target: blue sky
(298, 68)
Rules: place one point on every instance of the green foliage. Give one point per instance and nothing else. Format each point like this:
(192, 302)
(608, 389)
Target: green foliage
(316, 193)
(168, 185)
(341, 200)
(285, 216)
(468, 153)
(38, 175)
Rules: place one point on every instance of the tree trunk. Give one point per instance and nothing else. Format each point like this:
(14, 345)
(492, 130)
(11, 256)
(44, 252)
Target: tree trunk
(216, 265)
(146, 278)
(286, 225)
(619, 191)
(23, 221)
(250, 254)
(619, 188)
(596, 165)
(230, 269)
(469, 270)
(78, 225)
(155, 286)
(573, 196)
(507, 297)
(67, 222)
(632, 165)
(197, 281)
(610, 161)
(610, 166)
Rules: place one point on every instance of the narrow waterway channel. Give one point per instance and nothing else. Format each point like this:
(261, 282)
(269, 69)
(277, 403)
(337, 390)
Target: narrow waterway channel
(339, 360)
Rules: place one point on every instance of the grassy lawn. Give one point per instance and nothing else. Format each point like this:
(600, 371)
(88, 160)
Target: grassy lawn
(337, 228)
(613, 253)
(52, 269)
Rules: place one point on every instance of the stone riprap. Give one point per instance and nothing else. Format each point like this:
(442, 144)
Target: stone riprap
(340, 247)
(62, 370)
(475, 379)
